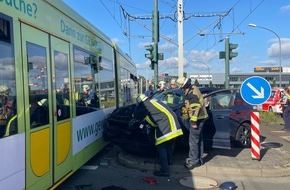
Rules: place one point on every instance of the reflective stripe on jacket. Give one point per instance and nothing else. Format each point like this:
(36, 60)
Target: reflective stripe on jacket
(196, 109)
(164, 119)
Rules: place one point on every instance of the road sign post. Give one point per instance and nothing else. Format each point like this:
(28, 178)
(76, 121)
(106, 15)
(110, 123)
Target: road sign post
(255, 90)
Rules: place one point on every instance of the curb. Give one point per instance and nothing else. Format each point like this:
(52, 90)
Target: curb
(207, 169)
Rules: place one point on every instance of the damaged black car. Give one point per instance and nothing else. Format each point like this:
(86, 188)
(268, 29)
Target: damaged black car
(228, 124)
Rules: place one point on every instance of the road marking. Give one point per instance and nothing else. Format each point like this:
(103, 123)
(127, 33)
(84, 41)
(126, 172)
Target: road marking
(87, 167)
(286, 138)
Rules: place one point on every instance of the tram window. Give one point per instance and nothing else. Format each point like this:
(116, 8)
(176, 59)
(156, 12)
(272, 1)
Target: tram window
(62, 85)
(86, 82)
(8, 111)
(38, 85)
(107, 84)
(5, 30)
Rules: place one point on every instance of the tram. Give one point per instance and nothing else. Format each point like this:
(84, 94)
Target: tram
(59, 79)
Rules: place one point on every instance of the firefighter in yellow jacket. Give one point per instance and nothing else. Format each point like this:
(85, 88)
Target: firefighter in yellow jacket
(166, 124)
(194, 116)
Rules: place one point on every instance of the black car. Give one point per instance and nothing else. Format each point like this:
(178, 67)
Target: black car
(228, 124)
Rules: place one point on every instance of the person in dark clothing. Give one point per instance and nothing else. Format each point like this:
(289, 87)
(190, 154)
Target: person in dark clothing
(166, 124)
(150, 92)
(286, 109)
(194, 115)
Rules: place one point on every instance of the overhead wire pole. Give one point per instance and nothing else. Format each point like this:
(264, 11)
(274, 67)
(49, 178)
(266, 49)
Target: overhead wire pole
(180, 37)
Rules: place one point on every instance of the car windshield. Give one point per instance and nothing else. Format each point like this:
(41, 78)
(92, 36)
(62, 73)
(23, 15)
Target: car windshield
(170, 96)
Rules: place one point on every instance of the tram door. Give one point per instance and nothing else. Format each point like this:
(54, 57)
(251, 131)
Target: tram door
(47, 108)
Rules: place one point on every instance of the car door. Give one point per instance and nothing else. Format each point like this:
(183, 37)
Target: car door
(217, 126)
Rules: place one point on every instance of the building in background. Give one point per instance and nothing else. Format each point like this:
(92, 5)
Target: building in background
(271, 74)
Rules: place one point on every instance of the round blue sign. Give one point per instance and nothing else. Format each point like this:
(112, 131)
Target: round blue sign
(255, 90)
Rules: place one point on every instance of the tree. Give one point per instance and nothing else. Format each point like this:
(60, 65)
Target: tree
(196, 82)
(210, 84)
(274, 83)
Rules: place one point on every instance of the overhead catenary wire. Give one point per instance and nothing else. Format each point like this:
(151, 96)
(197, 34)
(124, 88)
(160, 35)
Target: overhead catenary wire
(216, 25)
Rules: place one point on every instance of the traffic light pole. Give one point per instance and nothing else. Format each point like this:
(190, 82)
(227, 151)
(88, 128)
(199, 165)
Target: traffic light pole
(153, 54)
(155, 39)
(227, 62)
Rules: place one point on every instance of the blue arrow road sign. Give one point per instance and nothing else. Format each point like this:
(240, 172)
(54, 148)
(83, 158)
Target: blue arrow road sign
(255, 90)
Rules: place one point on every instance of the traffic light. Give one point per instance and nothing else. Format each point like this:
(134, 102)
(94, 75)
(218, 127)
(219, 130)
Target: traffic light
(152, 52)
(228, 54)
(152, 55)
(231, 53)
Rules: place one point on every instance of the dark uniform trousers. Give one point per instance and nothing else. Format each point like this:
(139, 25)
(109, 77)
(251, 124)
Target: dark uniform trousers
(196, 147)
(286, 117)
(164, 153)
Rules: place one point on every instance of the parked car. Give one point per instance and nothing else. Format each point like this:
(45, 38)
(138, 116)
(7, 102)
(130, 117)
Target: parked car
(273, 104)
(228, 124)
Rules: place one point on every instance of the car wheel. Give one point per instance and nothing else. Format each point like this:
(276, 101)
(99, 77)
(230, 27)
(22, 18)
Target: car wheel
(243, 136)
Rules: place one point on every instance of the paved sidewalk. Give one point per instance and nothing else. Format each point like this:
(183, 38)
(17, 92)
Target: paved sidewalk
(274, 162)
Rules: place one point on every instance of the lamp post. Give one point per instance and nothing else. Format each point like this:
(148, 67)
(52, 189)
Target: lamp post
(208, 67)
(280, 67)
(146, 88)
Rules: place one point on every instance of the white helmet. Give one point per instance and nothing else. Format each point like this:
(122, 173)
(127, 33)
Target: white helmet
(161, 84)
(183, 82)
(141, 98)
(4, 90)
(173, 81)
(86, 87)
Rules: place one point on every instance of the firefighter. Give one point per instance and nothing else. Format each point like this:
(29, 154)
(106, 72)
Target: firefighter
(194, 115)
(166, 125)
(161, 86)
(8, 121)
(286, 109)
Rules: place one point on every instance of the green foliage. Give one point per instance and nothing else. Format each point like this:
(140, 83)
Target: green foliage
(210, 84)
(196, 83)
(270, 118)
(273, 83)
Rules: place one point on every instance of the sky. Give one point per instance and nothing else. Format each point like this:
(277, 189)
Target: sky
(127, 23)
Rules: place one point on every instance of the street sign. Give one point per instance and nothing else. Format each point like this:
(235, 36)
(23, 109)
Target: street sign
(255, 90)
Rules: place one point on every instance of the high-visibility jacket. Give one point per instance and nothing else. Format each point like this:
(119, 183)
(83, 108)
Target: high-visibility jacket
(194, 108)
(288, 100)
(159, 115)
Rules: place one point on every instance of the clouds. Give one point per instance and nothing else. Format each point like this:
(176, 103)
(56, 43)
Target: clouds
(203, 56)
(285, 9)
(118, 41)
(274, 49)
(194, 59)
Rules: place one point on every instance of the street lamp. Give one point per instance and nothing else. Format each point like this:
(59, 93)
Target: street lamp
(208, 67)
(280, 67)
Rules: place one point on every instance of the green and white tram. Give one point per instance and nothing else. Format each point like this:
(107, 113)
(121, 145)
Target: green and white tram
(59, 79)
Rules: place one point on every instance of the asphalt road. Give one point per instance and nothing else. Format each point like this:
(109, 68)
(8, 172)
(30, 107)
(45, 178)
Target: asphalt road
(103, 172)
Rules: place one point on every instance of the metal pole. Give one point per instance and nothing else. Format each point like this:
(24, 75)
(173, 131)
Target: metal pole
(180, 36)
(156, 40)
(227, 62)
(280, 50)
(146, 78)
